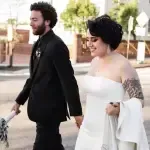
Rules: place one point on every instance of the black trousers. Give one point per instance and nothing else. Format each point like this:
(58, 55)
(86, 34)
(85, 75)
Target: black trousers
(48, 137)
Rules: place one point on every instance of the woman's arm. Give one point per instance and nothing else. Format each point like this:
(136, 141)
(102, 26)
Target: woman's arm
(132, 86)
(131, 83)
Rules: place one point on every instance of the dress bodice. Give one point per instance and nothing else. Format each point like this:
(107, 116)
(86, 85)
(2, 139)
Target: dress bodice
(100, 91)
(103, 88)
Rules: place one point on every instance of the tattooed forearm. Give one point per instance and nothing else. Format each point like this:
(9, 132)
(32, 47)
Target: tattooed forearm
(134, 89)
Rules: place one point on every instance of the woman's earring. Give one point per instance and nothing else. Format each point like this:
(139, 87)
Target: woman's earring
(108, 49)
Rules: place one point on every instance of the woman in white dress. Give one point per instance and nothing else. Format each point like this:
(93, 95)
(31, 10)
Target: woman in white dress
(110, 76)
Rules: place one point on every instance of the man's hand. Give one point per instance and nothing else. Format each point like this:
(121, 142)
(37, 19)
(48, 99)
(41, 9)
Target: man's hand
(78, 120)
(16, 108)
(113, 109)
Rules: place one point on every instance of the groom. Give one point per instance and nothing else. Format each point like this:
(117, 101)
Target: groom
(51, 85)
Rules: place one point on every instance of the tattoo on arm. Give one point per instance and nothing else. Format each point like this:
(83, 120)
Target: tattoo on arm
(134, 89)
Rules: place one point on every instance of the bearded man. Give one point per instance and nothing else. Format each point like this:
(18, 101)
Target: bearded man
(51, 85)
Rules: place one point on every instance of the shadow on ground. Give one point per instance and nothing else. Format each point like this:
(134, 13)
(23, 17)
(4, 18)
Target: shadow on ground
(15, 68)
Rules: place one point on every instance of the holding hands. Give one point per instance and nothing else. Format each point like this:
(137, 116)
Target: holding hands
(78, 120)
(113, 109)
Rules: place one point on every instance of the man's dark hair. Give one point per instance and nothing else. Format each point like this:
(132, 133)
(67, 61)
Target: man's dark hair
(47, 10)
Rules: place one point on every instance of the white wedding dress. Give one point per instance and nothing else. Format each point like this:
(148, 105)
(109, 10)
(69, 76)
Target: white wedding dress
(100, 91)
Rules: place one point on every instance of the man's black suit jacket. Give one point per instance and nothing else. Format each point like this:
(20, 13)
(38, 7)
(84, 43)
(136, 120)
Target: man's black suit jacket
(51, 85)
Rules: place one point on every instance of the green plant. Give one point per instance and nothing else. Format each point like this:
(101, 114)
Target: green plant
(11, 21)
(76, 14)
(122, 12)
(130, 9)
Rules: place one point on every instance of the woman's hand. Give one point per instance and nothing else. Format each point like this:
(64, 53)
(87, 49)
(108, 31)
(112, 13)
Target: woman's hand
(113, 109)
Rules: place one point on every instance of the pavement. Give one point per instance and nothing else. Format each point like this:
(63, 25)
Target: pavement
(79, 68)
(22, 130)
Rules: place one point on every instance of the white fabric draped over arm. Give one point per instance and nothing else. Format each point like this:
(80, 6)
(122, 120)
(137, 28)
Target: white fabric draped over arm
(128, 127)
(130, 124)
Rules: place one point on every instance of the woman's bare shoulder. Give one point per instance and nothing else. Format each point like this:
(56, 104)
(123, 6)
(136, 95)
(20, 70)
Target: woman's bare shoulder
(126, 68)
(124, 64)
(123, 61)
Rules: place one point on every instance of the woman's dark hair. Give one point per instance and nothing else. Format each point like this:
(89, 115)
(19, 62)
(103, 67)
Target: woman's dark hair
(47, 10)
(107, 29)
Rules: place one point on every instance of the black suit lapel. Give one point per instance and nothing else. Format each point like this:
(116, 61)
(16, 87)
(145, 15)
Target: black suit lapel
(43, 48)
(44, 42)
(32, 54)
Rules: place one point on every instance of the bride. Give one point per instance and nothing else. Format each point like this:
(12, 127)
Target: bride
(110, 76)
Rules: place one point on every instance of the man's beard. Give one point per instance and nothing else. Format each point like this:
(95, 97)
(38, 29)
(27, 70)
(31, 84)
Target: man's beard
(40, 30)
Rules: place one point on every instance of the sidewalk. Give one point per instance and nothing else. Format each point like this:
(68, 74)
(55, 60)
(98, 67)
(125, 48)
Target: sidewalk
(79, 68)
(25, 129)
